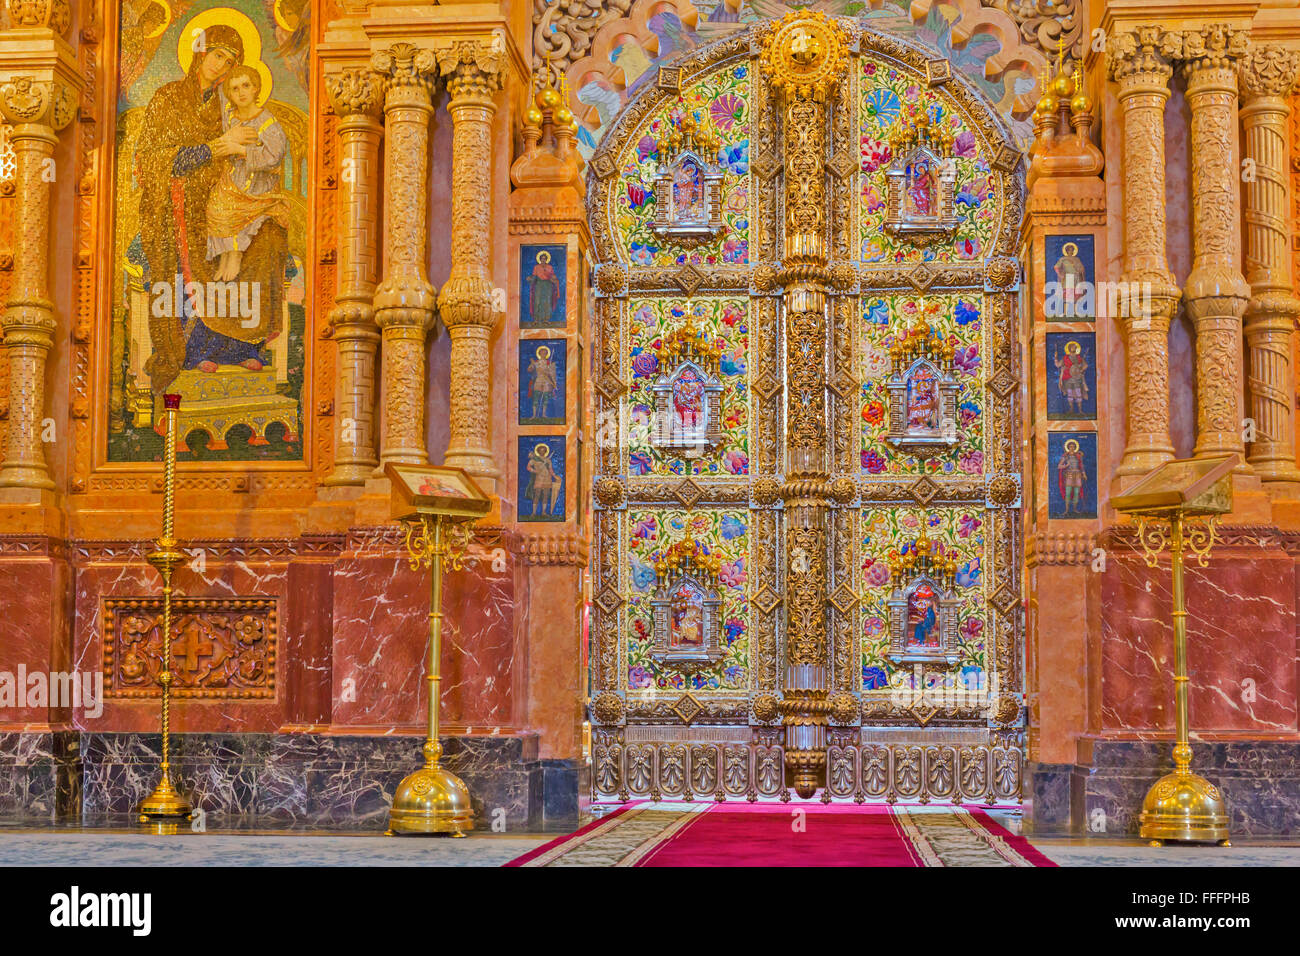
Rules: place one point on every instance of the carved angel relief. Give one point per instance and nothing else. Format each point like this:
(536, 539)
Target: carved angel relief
(923, 604)
(920, 180)
(922, 393)
(687, 606)
(688, 392)
(688, 186)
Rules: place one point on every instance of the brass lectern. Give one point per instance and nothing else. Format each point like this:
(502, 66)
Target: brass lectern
(438, 505)
(1181, 806)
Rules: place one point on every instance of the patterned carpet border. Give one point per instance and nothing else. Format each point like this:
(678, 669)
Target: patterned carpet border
(639, 833)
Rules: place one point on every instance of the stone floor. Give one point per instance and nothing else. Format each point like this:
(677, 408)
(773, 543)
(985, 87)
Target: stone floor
(117, 843)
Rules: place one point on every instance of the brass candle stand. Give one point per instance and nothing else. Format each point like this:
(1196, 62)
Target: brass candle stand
(166, 802)
(437, 505)
(1178, 507)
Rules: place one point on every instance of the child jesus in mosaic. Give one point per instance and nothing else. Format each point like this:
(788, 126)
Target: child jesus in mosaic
(251, 189)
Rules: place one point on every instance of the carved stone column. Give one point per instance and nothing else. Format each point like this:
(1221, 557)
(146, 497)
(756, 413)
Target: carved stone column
(404, 301)
(1216, 291)
(1266, 77)
(472, 70)
(804, 58)
(357, 95)
(1138, 64)
(38, 109)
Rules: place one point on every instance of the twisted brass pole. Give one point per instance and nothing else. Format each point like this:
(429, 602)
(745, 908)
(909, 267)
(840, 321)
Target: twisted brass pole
(165, 801)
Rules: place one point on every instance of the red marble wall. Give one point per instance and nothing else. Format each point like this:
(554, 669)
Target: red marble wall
(1241, 641)
(347, 607)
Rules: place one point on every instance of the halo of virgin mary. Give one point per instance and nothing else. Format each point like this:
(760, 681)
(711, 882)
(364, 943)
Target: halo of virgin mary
(176, 171)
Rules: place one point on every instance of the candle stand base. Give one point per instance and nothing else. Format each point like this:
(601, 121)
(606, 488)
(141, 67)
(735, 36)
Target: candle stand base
(1184, 808)
(431, 802)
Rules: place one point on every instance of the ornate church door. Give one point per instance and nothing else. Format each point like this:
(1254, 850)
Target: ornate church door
(806, 555)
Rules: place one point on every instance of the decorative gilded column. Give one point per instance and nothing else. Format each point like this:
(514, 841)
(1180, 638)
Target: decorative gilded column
(357, 96)
(1266, 76)
(1216, 291)
(472, 71)
(803, 58)
(1138, 63)
(37, 109)
(404, 301)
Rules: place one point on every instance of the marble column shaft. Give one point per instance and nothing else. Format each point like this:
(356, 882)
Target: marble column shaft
(1142, 71)
(466, 304)
(404, 301)
(1216, 291)
(356, 94)
(38, 109)
(1266, 75)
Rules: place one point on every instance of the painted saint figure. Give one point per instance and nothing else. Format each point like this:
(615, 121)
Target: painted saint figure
(922, 618)
(543, 491)
(920, 186)
(688, 195)
(688, 399)
(542, 383)
(923, 416)
(687, 628)
(1071, 376)
(543, 289)
(1071, 476)
(1071, 274)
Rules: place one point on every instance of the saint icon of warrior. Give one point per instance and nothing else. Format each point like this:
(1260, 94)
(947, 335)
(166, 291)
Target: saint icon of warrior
(543, 289)
(182, 137)
(542, 383)
(1071, 274)
(543, 491)
(1071, 476)
(688, 398)
(922, 618)
(1071, 376)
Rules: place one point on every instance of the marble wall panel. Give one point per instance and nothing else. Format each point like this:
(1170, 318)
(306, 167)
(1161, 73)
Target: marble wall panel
(1241, 643)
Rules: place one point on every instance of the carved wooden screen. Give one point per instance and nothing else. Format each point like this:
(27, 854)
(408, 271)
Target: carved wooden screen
(847, 494)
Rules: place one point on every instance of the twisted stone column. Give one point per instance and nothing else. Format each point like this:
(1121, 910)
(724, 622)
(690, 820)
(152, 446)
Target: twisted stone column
(356, 95)
(1136, 62)
(1216, 291)
(404, 301)
(1266, 76)
(38, 109)
(472, 69)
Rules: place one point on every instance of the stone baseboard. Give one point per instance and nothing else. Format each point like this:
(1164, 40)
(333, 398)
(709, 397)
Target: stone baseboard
(1259, 779)
(296, 780)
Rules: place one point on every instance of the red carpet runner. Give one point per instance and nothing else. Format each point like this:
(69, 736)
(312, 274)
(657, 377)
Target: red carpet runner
(722, 834)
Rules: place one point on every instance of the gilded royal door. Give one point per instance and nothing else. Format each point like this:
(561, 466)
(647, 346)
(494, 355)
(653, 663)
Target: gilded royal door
(807, 539)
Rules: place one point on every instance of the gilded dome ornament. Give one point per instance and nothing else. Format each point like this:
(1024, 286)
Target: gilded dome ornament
(805, 54)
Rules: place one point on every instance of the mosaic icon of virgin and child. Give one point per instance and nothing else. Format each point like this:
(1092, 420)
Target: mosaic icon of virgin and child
(209, 160)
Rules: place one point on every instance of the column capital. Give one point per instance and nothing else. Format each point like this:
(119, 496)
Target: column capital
(33, 101)
(472, 67)
(1267, 71)
(356, 91)
(1144, 51)
(1215, 46)
(406, 65)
